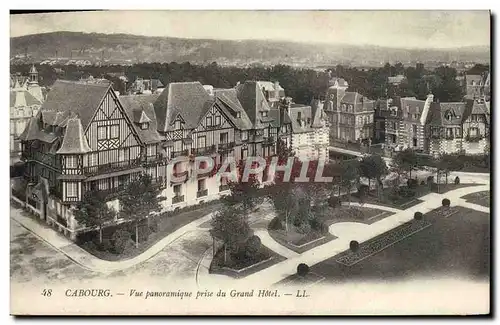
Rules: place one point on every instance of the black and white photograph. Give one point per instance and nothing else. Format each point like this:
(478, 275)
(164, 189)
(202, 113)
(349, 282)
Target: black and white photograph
(250, 162)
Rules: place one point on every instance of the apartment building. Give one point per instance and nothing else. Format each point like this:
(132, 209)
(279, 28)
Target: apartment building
(350, 114)
(26, 99)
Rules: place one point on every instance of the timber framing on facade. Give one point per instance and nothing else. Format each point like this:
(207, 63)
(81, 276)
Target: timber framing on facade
(86, 138)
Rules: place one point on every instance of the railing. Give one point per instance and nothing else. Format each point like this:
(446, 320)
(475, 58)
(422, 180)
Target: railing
(183, 175)
(202, 193)
(154, 159)
(223, 188)
(175, 154)
(449, 137)
(204, 150)
(225, 146)
(111, 167)
(177, 199)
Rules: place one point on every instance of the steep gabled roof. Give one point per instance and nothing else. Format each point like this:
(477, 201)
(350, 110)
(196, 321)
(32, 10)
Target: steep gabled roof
(74, 141)
(227, 101)
(456, 109)
(306, 113)
(78, 98)
(189, 99)
(140, 108)
(253, 101)
(22, 98)
(414, 105)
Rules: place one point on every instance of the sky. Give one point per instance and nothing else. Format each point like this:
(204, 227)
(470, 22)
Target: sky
(405, 29)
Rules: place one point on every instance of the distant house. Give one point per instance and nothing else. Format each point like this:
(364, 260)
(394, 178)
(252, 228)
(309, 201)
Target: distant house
(146, 86)
(396, 80)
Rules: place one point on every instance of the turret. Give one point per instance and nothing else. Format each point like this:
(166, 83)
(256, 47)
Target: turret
(425, 111)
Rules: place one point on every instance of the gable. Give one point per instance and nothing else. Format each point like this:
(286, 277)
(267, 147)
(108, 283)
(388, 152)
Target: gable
(111, 127)
(217, 120)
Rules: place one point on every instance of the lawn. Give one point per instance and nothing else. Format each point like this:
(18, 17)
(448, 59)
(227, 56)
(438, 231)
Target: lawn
(402, 202)
(298, 242)
(482, 198)
(235, 268)
(453, 246)
(346, 213)
(165, 225)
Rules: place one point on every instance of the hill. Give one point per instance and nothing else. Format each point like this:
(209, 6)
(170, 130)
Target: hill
(133, 48)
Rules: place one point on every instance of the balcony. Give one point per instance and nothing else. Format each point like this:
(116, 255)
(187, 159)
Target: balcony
(177, 199)
(223, 188)
(223, 147)
(153, 160)
(175, 154)
(180, 174)
(204, 150)
(111, 167)
(476, 138)
(449, 137)
(111, 193)
(202, 193)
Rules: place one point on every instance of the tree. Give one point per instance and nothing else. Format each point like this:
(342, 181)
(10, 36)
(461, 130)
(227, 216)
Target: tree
(284, 202)
(141, 197)
(349, 175)
(405, 160)
(373, 167)
(93, 211)
(230, 225)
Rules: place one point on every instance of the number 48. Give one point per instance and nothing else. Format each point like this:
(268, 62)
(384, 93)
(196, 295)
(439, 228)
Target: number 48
(47, 292)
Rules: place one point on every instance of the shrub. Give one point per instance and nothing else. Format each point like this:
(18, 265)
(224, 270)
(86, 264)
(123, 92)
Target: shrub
(406, 192)
(302, 269)
(418, 216)
(446, 202)
(422, 183)
(252, 245)
(120, 240)
(334, 201)
(143, 231)
(153, 225)
(354, 245)
(304, 228)
(430, 179)
(412, 183)
(275, 224)
(318, 225)
(363, 190)
(457, 180)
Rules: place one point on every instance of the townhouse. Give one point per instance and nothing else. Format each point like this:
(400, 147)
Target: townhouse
(350, 114)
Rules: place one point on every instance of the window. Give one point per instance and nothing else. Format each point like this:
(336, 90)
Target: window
(217, 120)
(457, 132)
(244, 134)
(102, 132)
(144, 126)
(351, 108)
(244, 153)
(308, 120)
(266, 133)
(201, 185)
(414, 142)
(473, 132)
(121, 155)
(238, 115)
(299, 115)
(223, 137)
(71, 162)
(414, 128)
(449, 132)
(114, 131)
(474, 118)
(71, 190)
(209, 121)
(177, 190)
(202, 141)
(92, 159)
(150, 151)
(263, 114)
(178, 124)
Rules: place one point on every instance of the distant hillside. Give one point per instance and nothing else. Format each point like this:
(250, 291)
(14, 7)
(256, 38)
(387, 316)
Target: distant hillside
(132, 48)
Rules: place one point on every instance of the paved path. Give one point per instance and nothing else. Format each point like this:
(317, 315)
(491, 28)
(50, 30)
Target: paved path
(372, 206)
(270, 243)
(87, 260)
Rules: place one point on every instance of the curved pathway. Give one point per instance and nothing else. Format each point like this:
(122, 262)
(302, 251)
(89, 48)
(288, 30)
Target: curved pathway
(372, 206)
(87, 260)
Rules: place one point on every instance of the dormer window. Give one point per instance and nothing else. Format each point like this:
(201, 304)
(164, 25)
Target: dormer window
(144, 126)
(238, 114)
(263, 114)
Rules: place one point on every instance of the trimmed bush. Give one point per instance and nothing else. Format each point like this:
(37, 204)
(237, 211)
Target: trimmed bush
(275, 224)
(418, 216)
(457, 180)
(354, 245)
(252, 245)
(430, 179)
(318, 225)
(422, 183)
(120, 240)
(334, 201)
(446, 202)
(302, 269)
(412, 183)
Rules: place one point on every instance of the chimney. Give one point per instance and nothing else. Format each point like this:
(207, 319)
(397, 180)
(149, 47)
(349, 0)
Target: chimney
(276, 89)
